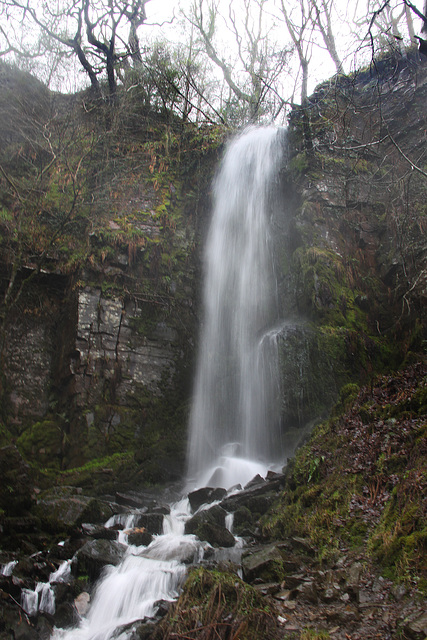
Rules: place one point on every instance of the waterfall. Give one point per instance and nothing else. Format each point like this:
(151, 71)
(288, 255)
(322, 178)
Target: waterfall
(234, 423)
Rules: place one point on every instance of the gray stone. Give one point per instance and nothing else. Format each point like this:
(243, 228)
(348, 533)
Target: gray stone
(204, 496)
(95, 554)
(215, 515)
(265, 564)
(151, 522)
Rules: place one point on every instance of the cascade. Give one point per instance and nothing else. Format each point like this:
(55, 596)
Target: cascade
(234, 428)
(234, 424)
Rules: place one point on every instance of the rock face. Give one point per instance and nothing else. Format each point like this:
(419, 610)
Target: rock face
(353, 260)
(98, 348)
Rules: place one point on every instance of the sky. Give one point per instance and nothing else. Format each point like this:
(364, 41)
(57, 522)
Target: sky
(321, 66)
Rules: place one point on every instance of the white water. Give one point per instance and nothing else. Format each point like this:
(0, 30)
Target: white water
(7, 569)
(234, 425)
(129, 592)
(42, 598)
(234, 431)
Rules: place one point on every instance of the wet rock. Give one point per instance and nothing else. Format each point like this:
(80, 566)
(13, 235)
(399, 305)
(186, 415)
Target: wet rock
(95, 554)
(266, 564)
(151, 522)
(82, 603)
(243, 520)
(99, 532)
(256, 481)
(130, 499)
(67, 511)
(215, 515)
(215, 534)
(65, 615)
(205, 496)
(163, 607)
(139, 537)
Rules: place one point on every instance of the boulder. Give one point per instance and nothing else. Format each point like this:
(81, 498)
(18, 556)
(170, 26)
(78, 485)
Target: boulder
(151, 522)
(139, 537)
(205, 496)
(209, 525)
(257, 498)
(67, 511)
(99, 532)
(215, 515)
(216, 535)
(95, 554)
(264, 564)
(256, 481)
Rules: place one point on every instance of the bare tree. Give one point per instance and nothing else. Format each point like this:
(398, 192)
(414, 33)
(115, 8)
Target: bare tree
(91, 29)
(323, 20)
(251, 75)
(301, 32)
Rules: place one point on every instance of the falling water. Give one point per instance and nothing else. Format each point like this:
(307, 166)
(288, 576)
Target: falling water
(234, 425)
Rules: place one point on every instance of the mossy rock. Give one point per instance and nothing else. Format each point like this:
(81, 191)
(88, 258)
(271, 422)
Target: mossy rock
(65, 510)
(42, 444)
(266, 564)
(16, 482)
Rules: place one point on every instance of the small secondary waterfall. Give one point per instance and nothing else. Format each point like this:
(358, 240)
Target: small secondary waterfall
(234, 424)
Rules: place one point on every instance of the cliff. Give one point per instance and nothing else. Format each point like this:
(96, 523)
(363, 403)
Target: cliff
(103, 216)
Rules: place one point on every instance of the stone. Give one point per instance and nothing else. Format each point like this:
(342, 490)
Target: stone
(215, 515)
(129, 499)
(215, 534)
(68, 512)
(139, 537)
(307, 592)
(151, 522)
(256, 481)
(265, 563)
(82, 603)
(301, 544)
(99, 532)
(399, 592)
(204, 496)
(95, 554)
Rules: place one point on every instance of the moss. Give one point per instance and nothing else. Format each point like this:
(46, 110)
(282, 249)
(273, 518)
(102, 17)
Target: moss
(360, 483)
(218, 599)
(42, 444)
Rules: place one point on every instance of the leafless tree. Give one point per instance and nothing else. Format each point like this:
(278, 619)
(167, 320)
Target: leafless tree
(252, 74)
(91, 29)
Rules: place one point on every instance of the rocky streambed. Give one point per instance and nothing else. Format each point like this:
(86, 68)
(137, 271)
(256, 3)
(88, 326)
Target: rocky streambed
(51, 590)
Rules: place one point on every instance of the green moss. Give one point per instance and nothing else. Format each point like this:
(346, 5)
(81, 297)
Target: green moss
(360, 483)
(220, 600)
(42, 444)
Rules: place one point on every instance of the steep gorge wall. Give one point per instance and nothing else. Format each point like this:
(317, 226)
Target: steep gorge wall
(98, 350)
(354, 263)
(98, 346)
